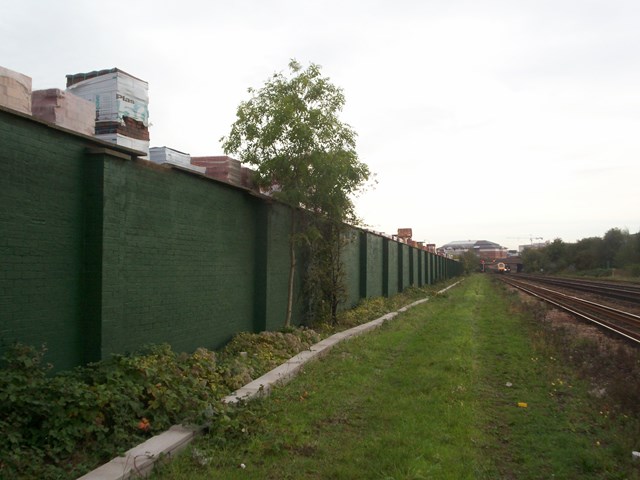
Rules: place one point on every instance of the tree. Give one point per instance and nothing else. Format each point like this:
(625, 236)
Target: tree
(630, 252)
(612, 242)
(589, 253)
(304, 155)
(470, 261)
(556, 253)
(534, 260)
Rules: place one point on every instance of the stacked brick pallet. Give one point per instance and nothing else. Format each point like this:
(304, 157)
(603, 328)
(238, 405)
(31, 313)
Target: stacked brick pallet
(166, 155)
(64, 109)
(122, 105)
(128, 127)
(15, 91)
(248, 180)
(222, 168)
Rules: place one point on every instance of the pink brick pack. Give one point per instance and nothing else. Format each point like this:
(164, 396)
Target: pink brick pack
(64, 109)
(15, 91)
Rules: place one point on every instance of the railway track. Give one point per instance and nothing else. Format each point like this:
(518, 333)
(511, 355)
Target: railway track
(622, 323)
(621, 291)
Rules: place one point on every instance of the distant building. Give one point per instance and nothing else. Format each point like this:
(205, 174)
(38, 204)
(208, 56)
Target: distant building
(484, 249)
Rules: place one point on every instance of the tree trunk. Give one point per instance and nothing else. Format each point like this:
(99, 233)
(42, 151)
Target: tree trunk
(292, 270)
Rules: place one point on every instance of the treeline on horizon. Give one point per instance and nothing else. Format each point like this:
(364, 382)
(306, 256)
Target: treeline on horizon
(616, 253)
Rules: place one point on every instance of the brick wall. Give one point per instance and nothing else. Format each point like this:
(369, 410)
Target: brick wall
(178, 262)
(373, 277)
(352, 270)
(276, 263)
(41, 244)
(102, 254)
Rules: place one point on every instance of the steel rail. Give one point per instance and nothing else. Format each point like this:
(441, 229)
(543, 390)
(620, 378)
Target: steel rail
(584, 309)
(628, 292)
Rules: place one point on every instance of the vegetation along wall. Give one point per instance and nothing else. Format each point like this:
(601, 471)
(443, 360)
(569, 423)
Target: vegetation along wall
(102, 253)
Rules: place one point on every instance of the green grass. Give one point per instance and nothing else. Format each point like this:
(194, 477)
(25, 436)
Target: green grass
(425, 397)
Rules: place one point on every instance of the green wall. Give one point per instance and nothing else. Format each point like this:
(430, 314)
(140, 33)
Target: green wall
(373, 276)
(101, 253)
(351, 261)
(41, 238)
(178, 259)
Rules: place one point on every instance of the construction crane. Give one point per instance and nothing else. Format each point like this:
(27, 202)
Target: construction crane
(530, 237)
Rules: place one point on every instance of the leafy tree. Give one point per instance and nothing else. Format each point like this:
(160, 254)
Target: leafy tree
(617, 248)
(614, 239)
(589, 253)
(324, 285)
(534, 260)
(556, 253)
(304, 155)
(470, 261)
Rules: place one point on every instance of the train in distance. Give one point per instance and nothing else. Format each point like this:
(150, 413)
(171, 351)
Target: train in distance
(499, 267)
(503, 267)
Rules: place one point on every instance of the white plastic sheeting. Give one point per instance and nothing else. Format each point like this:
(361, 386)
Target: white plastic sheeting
(116, 94)
(140, 145)
(168, 155)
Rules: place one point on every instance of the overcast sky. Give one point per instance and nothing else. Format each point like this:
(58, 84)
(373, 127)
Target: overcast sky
(482, 119)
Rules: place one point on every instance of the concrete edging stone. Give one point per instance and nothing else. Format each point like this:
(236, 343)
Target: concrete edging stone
(139, 460)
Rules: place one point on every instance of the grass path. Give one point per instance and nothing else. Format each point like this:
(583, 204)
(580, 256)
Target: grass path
(426, 397)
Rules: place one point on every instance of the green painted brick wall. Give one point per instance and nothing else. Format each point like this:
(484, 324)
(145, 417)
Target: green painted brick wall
(392, 268)
(414, 258)
(403, 260)
(351, 259)
(102, 255)
(277, 272)
(178, 259)
(374, 245)
(431, 261)
(41, 244)
(407, 265)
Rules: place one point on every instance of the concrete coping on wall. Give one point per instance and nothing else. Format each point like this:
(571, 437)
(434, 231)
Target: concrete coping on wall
(139, 460)
(128, 152)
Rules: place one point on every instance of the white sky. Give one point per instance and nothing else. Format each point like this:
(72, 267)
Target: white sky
(482, 119)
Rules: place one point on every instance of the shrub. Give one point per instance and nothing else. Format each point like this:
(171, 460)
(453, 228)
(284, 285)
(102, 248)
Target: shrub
(248, 355)
(97, 410)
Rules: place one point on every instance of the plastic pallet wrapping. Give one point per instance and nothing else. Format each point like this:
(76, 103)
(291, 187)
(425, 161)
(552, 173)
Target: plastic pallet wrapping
(122, 106)
(222, 168)
(166, 155)
(140, 145)
(115, 93)
(15, 91)
(64, 109)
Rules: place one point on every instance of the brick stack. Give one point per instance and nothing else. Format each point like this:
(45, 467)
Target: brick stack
(64, 109)
(15, 91)
(405, 233)
(222, 168)
(166, 155)
(248, 179)
(122, 105)
(128, 127)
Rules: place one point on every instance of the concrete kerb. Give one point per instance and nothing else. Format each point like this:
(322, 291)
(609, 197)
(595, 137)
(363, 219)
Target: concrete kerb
(139, 460)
